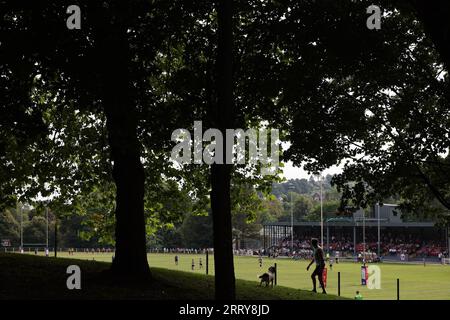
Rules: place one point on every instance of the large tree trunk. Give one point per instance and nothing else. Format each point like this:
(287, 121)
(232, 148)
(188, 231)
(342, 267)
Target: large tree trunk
(120, 110)
(221, 173)
(223, 244)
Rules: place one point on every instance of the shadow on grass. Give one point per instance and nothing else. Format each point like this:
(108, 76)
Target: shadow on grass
(32, 277)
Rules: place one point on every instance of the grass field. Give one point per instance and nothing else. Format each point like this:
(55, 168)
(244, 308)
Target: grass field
(416, 281)
(24, 276)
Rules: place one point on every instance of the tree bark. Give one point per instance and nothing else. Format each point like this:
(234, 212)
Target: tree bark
(221, 173)
(223, 244)
(128, 173)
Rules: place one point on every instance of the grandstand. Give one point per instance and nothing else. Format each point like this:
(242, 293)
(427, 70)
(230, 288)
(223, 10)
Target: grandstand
(380, 231)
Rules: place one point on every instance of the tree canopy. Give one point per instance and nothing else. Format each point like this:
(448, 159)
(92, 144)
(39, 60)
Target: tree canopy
(87, 115)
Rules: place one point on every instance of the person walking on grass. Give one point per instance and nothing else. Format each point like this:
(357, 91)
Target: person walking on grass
(320, 265)
(358, 296)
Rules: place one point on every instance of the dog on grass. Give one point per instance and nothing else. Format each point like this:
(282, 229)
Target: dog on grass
(268, 277)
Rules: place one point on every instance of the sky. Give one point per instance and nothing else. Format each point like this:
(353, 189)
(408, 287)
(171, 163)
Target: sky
(291, 172)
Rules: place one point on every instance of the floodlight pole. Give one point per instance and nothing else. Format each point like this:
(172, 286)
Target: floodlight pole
(56, 238)
(46, 231)
(364, 235)
(378, 243)
(292, 224)
(321, 211)
(291, 187)
(328, 237)
(448, 242)
(19, 211)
